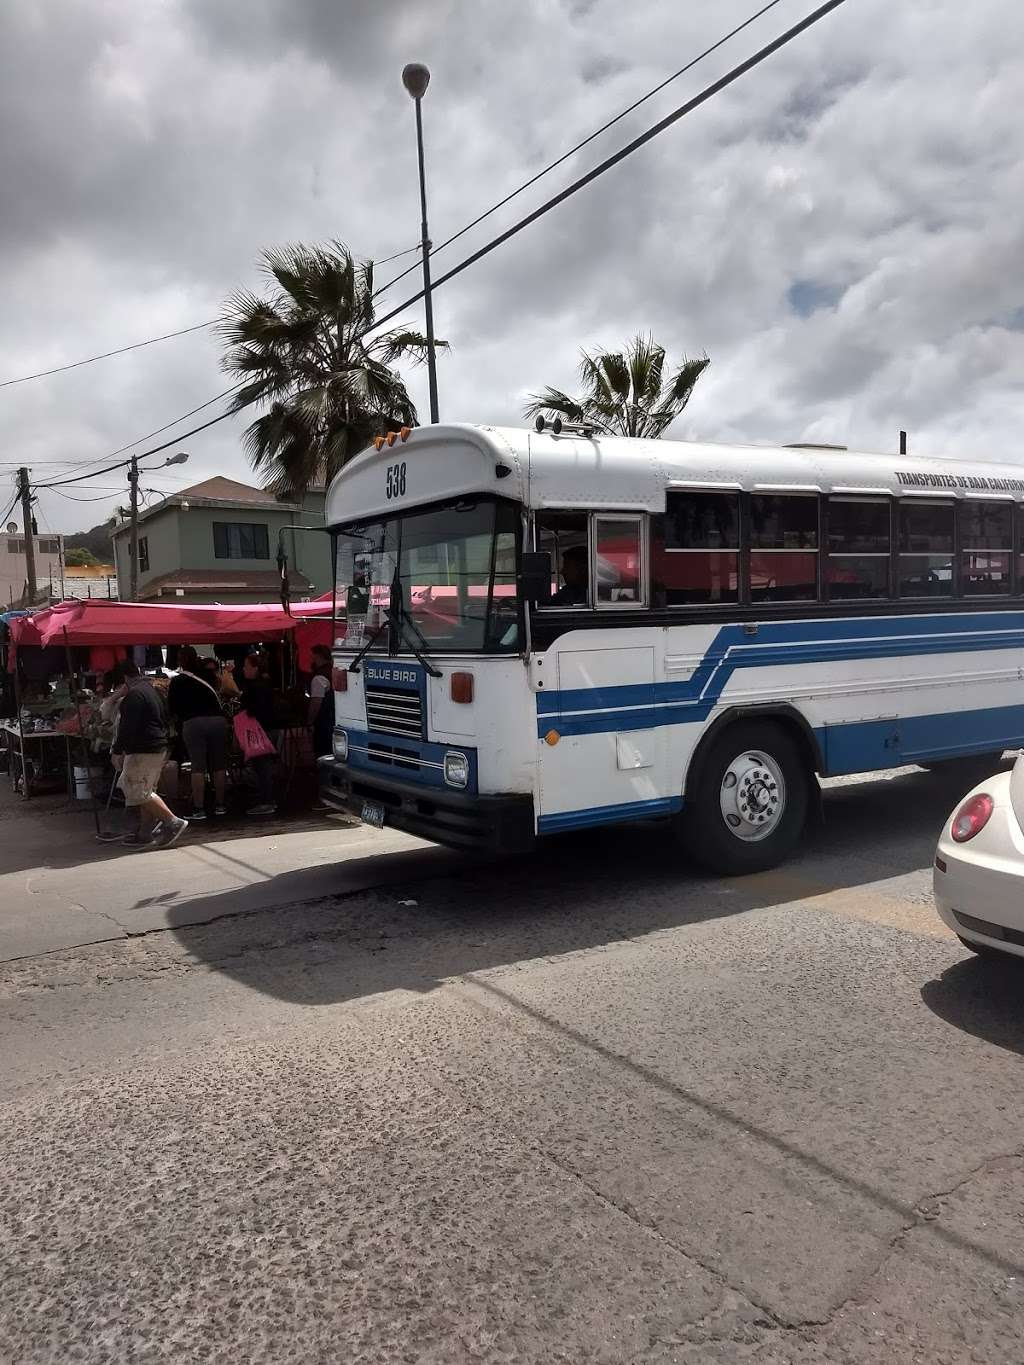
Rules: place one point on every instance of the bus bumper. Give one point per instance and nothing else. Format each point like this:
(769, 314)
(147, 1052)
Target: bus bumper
(489, 824)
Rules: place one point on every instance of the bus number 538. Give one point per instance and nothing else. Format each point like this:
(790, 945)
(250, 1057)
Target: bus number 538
(395, 487)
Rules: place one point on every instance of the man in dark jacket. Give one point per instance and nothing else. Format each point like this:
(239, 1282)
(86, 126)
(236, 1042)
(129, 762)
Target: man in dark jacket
(142, 739)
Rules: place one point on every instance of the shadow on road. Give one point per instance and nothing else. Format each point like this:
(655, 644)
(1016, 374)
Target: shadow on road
(426, 922)
(983, 997)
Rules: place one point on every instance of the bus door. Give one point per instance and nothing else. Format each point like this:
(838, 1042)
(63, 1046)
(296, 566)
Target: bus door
(601, 755)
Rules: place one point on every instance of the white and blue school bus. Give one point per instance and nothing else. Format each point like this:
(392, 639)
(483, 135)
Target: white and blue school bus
(545, 632)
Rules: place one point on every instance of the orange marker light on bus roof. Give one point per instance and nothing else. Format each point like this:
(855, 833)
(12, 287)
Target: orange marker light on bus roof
(405, 433)
(391, 437)
(378, 442)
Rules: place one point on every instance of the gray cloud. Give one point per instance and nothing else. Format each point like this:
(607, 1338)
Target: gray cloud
(840, 230)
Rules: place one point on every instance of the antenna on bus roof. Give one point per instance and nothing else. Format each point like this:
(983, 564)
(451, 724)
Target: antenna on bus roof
(573, 428)
(903, 443)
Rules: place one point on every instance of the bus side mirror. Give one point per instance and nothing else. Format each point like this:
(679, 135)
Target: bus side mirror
(535, 576)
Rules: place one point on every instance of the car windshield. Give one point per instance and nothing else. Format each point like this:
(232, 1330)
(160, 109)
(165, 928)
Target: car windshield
(446, 576)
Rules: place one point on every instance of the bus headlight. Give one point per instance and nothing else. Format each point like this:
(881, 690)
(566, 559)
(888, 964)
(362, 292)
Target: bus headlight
(340, 744)
(456, 769)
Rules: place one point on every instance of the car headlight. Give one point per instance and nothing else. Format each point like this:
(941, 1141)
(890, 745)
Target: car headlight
(456, 769)
(340, 745)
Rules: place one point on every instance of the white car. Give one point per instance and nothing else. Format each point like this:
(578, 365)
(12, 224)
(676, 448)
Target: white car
(979, 867)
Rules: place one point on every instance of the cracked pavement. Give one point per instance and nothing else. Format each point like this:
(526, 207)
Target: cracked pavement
(590, 1107)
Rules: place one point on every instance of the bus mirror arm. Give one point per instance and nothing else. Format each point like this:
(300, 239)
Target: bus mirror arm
(535, 576)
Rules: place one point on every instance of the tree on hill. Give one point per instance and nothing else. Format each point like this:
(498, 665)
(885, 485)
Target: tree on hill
(97, 541)
(307, 356)
(625, 392)
(79, 557)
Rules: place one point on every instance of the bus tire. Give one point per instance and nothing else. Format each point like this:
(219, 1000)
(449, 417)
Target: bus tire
(748, 809)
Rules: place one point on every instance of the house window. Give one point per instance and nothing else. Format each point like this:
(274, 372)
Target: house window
(858, 548)
(926, 549)
(986, 540)
(49, 547)
(783, 547)
(695, 548)
(240, 540)
(16, 547)
(143, 554)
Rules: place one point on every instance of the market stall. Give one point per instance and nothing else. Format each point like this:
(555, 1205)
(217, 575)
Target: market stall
(74, 640)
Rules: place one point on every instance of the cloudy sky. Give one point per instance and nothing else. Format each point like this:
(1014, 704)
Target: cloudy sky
(841, 230)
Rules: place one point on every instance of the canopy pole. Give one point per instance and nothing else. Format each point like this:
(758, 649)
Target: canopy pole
(72, 675)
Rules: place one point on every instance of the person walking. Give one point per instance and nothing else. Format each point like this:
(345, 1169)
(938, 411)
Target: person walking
(142, 739)
(257, 701)
(321, 708)
(193, 699)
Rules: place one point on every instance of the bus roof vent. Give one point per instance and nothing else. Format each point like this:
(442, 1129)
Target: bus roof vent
(813, 445)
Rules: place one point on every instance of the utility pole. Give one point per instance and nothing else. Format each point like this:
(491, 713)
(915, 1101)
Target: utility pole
(30, 544)
(133, 546)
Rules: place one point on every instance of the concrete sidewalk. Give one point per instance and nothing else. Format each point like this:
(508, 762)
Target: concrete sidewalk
(59, 888)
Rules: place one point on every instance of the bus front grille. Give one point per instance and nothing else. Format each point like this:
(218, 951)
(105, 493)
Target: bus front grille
(394, 711)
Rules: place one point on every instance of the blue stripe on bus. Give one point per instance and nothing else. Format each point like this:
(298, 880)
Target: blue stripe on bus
(642, 705)
(607, 815)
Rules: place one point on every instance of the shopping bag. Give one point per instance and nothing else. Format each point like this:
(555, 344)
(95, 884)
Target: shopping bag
(252, 739)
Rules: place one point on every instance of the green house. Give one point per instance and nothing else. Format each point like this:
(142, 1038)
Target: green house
(218, 542)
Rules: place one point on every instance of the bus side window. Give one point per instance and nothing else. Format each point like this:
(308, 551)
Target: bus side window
(695, 548)
(564, 535)
(858, 548)
(783, 547)
(986, 539)
(618, 546)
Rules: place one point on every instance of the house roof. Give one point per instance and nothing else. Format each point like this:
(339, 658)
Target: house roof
(216, 492)
(256, 584)
(228, 490)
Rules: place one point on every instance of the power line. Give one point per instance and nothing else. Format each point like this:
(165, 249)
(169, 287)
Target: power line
(105, 355)
(60, 483)
(586, 141)
(707, 93)
(668, 121)
(199, 326)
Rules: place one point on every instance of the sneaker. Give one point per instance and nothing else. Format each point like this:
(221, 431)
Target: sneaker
(165, 835)
(197, 815)
(262, 810)
(220, 810)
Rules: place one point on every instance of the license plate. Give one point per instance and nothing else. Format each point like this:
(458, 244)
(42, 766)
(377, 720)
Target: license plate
(373, 814)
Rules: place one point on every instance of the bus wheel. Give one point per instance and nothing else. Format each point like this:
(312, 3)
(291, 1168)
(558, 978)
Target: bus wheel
(750, 804)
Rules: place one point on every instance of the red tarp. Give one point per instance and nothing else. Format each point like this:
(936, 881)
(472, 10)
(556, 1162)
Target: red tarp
(95, 622)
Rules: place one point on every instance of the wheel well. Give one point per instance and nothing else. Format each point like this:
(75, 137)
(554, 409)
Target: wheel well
(786, 717)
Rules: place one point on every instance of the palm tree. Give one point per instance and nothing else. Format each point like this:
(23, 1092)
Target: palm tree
(305, 354)
(625, 393)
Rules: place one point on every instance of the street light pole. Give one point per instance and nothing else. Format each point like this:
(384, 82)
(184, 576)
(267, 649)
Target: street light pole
(133, 513)
(416, 78)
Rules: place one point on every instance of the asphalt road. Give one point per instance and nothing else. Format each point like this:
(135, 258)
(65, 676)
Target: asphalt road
(589, 1107)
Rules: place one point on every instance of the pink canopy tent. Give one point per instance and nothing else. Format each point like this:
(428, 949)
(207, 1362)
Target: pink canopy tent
(95, 622)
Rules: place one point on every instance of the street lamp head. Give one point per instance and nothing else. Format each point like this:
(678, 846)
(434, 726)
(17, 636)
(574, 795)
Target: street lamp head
(416, 78)
(180, 458)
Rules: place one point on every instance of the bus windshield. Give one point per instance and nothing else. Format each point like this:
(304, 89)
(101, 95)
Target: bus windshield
(449, 572)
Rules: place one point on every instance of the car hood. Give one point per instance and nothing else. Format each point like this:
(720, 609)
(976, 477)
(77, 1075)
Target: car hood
(1017, 790)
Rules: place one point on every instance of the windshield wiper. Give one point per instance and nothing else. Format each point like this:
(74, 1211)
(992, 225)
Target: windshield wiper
(354, 665)
(401, 621)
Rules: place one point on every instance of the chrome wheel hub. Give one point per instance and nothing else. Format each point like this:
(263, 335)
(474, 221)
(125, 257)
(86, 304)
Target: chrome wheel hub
(753, 796)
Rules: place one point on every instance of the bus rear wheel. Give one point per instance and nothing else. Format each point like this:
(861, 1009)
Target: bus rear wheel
(749, 807)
